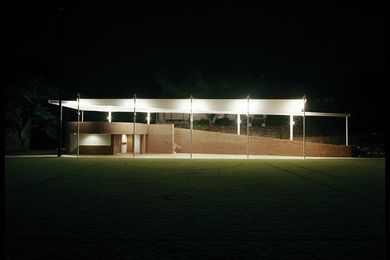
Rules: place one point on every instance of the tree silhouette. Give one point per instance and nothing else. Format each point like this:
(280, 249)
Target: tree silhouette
(27, 108)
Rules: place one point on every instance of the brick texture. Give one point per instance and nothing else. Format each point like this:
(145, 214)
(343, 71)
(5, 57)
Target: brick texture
(160, 139)
(105, 128)
(222, 143)
(154, 138)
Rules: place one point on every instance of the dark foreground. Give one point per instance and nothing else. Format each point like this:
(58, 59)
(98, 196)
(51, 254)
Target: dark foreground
(71, 208)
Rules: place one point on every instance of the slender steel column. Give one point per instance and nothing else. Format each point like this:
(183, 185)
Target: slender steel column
(61, 36)
(304, 127)
(291, 127)
(238, 124)
(191, 125)
(247, 128)
(134, 116)
(78, 124)
(346, 130)
(59, 152)
(148, 118)
(109, 117)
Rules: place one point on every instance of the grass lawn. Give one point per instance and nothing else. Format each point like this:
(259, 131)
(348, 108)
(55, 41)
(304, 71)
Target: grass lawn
(101, 208)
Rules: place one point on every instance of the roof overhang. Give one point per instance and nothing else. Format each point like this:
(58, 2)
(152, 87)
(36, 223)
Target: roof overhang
(196, 106)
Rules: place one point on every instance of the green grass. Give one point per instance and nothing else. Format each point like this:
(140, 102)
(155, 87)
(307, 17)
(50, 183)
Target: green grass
(69, 208)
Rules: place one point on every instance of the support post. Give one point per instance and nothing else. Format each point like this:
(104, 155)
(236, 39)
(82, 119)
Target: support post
(346, 131)
(304, 128)
(61, 33)
(148, 118)
(291, 127)
(82, 115)
(238, 124)
(59, 152)
(247, 128)
(109, 117)
(191, 126)
(78, 124)
(134, 119)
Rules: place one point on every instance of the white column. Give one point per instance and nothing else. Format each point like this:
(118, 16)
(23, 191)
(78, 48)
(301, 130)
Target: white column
(247, 128)
(304, 128)
(191, 125)
(148, 118)
(291, 127)
(82, 116)
(134, 116)
(78, 124)
(109, 116)
(346, 130)
(238, 124)
(60, 130)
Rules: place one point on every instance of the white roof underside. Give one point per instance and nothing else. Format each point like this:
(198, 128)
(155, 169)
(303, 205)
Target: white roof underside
(199, 106)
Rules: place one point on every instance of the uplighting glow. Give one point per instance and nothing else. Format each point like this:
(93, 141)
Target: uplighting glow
(200, 106)
(148, 118)
(95, 139)
(292, 122)
(295, 106)
(238, 119)
(109, 116)
(240, 105)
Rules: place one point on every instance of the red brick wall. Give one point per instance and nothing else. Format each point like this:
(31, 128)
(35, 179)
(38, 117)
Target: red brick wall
(107, 128)
(117, 143)
(158, 138)
(91, 149)
(221, 143)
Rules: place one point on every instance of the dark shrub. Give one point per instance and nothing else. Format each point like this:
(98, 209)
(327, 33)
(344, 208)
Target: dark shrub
(224, 121)
(202, 122)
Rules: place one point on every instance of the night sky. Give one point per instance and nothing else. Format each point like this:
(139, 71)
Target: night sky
(323, 50)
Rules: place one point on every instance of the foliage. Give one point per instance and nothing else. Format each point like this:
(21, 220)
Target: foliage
(27, 107)
(201, 122)
(224, 121)
(277, 120)
(201, 84)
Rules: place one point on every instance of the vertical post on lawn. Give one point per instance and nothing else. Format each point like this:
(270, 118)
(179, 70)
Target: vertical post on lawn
(247, 128)
(291, 127)
(191, 126)
(61, 26)
(346, 131)
(304, 127)
(134, 119)
(78, 124)
(59, 129)
(238, 123)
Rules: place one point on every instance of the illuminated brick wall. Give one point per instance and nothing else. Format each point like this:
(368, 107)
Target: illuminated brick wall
(221, 143)
(156, 138)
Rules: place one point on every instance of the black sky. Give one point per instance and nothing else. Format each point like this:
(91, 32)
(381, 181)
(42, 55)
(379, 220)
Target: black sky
(317, 48)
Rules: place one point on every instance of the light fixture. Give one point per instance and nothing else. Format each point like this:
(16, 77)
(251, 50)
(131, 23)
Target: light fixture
(109, 116)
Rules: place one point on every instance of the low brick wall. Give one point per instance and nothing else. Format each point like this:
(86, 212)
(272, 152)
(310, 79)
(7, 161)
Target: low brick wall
(107, 128)
(91, 150)
(155, 138)
(160, 138)
(222, 143)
